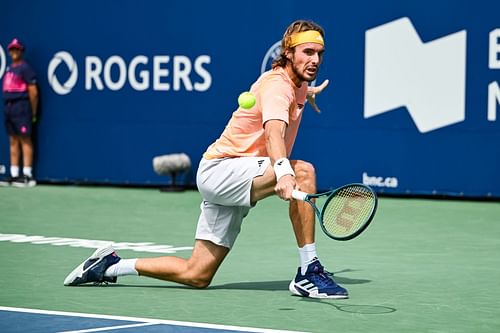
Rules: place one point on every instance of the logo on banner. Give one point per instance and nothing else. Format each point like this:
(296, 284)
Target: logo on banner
(114, 72)
(3, 61)
(67, 86)
(426, 78)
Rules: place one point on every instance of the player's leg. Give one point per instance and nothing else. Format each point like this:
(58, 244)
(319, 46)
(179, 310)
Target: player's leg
(104, 265)
(197, 271)
(225, 186)
(218, 227)
(311, 279)
(217, 230)
(301, 213)
(263, 185)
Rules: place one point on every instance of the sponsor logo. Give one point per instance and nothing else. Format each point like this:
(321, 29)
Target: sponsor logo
(429, 79)
(114, 72)
(3, 61)
(66, 87)
(391, 182)
(426, 78)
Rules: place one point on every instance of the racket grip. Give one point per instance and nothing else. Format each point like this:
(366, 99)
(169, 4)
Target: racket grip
(299, 195)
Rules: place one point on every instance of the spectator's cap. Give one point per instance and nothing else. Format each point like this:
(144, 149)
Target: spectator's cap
(15, 44)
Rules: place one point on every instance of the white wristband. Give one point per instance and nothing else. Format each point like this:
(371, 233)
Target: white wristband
(282, 167)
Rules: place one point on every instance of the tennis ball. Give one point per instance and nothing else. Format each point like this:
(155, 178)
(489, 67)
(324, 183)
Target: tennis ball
(246, 100)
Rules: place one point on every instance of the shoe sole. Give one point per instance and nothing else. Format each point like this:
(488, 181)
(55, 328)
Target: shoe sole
(79, 271)
(314, 294)
(24, 185)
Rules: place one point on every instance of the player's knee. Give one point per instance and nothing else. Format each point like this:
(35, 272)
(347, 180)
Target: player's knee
(305, 170)
(200, 282)
(199, 279)
(305, 175)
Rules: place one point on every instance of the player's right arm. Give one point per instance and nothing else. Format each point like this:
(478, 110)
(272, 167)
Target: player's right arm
(274, 131)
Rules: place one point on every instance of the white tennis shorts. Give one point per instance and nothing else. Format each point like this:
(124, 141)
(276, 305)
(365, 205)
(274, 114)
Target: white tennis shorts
(225, 186)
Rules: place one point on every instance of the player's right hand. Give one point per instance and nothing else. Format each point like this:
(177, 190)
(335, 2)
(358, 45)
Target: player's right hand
(285, 186)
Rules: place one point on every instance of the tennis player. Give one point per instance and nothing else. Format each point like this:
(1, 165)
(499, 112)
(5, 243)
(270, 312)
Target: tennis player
(248, 163)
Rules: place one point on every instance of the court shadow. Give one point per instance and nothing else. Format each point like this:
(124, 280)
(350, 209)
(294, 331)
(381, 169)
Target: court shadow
(352, 308)
(261, 285)
(279, 285)
(247, 285)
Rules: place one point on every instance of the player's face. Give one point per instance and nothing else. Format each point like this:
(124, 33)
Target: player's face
(306, 60)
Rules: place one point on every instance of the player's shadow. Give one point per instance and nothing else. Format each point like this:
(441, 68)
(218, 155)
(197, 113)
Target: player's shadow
(248, 285)
(352, 308)
(283, 285)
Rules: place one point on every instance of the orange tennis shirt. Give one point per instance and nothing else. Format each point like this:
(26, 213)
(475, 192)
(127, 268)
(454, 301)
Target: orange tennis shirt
(277, 97)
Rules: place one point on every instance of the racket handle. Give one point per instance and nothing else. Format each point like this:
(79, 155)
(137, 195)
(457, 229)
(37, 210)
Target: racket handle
(299, 195)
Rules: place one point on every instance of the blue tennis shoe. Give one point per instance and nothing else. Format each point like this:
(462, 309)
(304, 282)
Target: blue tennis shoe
(316, 283)
(92, 269)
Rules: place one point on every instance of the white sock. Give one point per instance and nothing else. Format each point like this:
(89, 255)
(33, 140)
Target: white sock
(14, 171)
(27, 171)
(123, 267)
(307, 255)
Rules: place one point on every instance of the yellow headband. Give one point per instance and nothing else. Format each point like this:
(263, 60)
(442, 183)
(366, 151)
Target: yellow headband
(309, 36)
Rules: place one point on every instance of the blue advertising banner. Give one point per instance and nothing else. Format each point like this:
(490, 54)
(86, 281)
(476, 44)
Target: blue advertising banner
(411, 108)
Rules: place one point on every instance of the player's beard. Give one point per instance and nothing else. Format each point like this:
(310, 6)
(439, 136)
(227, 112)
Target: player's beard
(301, 76)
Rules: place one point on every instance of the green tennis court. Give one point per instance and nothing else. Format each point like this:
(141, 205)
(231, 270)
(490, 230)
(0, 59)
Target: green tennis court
(422, 265)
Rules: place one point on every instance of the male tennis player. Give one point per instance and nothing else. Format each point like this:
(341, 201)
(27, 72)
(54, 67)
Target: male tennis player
(249, 162)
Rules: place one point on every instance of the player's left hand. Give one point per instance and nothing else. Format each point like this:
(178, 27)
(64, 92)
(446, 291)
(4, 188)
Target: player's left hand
(312, 92)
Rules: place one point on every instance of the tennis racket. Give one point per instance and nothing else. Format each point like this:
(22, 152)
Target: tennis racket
(347, 211)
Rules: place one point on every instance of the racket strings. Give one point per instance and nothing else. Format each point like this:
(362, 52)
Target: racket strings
(348, 211)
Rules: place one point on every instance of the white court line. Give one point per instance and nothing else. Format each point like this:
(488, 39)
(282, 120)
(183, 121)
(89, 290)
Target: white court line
(92, 243)
(109, 328)
(148, 320)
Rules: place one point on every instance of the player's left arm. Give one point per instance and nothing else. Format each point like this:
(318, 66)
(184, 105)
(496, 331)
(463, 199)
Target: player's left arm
(312, 92)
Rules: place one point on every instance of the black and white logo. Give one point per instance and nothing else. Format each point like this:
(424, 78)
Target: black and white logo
(426, 78)
(66, 87)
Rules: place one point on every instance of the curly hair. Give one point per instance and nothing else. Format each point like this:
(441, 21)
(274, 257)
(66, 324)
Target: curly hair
(297, 26)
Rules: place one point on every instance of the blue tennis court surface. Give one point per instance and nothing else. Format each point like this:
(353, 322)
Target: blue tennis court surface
(23, 320)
